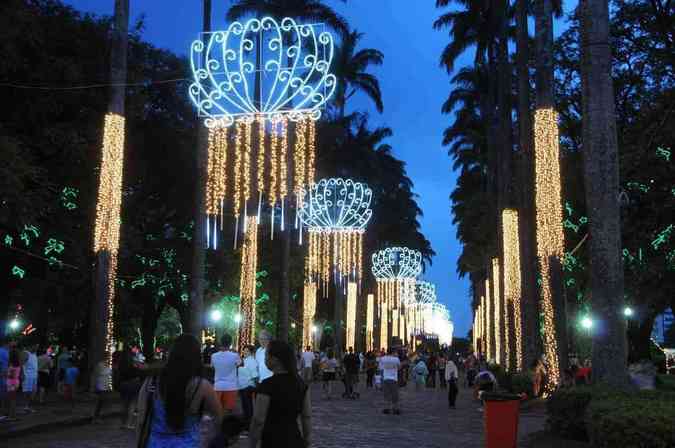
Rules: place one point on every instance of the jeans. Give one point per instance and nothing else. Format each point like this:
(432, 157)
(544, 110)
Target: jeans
(441, 378)
(370, 373)
(246, 396)
(350, 380)
(452, 392)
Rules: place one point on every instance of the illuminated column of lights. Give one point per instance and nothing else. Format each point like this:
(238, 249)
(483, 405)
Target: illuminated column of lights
(474, 333)
(499, 314)
(238, 156)
(299, 157)
(484, 325)
(394, 322)
(260, 169)
(273, 154)
(549, 218)
(401, 324)
(311, 151)
(216, 180)
(370, 319)
(108, 210)
(283, 170)
(490, 319)
(384, 315)
(351, 314)
(512, 279)
(309, 309)
(248, 130)
(249, 256)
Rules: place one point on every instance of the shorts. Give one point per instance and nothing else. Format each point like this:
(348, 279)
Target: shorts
(29, 384)
(227, 399)
(390, 388)
(329, 376)
(44, 380)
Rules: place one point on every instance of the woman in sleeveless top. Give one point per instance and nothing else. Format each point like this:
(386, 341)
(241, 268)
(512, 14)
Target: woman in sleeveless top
(177, 399)
(280, 399)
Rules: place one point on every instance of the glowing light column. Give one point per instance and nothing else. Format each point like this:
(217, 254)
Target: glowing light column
(550, 236)
(512, 281)
(370, 319)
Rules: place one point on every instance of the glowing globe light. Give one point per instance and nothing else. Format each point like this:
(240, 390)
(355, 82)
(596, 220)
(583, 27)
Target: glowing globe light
(216, 315)
(294, 69)
(397, 263)
(587, 322)
(628, 311)
(14, 324)
(337, 204)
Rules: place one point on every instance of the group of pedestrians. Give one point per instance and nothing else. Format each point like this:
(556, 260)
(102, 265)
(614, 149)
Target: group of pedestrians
(28, 373)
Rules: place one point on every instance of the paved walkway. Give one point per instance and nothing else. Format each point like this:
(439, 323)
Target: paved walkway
(425, 421)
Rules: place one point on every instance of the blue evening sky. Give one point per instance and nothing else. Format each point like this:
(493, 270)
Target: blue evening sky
(413, 87)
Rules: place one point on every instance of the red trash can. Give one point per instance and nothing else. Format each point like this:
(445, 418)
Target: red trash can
(500, 416)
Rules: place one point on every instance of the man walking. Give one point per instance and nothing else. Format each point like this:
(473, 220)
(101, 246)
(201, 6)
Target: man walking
(351, 363)
(264, 339)
(307, 365)
(451, 376)
(389, 365)
(225, 363)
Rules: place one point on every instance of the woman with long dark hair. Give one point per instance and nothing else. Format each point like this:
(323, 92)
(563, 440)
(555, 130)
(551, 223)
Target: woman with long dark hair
(171, 406)
(279, 400)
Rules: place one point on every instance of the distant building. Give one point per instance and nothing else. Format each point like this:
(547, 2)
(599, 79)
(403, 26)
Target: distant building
(663, 331)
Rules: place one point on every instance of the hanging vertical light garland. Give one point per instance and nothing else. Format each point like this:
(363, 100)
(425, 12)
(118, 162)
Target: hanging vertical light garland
(249, 257)
(309, 310)
(108, 210)
(351, 314)
(370, 319)
(500, 312)
(549, 218)
(512, 279)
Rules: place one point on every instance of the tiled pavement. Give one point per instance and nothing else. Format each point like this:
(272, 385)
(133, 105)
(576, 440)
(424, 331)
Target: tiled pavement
(425, 422)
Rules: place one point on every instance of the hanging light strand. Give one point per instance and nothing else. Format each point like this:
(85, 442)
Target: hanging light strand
(247, 286)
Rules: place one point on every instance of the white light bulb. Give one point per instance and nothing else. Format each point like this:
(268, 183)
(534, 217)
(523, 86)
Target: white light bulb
(587, 322)
(216, 315)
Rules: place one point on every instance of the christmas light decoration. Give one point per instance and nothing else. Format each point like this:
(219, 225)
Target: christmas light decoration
(370, 319)
(108, 212)
(309, 310)
(395, 270)
(499, 313)
(336, 212)
(489, 321)
(351, 314)
(249, 258)
(549, 218)
(512, 279)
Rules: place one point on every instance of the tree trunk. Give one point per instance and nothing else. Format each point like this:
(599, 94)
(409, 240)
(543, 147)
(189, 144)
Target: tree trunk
(529, 303)
(199, 233)
(99, 311)
(543, 30)
(285, 284)
(601, 177)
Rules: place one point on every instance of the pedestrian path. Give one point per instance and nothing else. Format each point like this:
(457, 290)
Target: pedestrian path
(425, 421)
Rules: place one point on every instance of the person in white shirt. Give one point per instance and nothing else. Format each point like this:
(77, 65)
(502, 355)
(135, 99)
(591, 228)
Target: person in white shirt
(390, 364)
(30, 376)
(247, 374)
(329, 367)
(451, 377)
(102, 379)
(307, 361)
(225, 363)
(264, 338)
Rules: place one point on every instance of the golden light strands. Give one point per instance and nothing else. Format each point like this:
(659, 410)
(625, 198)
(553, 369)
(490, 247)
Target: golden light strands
(309, 310)
(311, 151)
(351, 314)
(549, 218)
(260, 169)
(247, 285)
(490, 320)
(500, 326)
(108, 211)
(370, 320)
(512, 279)
(384, 314)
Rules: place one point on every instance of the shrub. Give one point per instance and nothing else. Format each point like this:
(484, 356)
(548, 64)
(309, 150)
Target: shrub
(565, 409)
(645, 420)
(521, 383)
(665, 382)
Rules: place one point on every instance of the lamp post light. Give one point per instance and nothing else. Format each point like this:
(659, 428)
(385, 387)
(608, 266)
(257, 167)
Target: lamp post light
(216, 316)
(587, 323)
(628, 312)
(14, 324)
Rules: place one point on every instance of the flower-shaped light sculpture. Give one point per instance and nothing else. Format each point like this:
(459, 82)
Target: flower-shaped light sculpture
(395, 269)
(294, 73)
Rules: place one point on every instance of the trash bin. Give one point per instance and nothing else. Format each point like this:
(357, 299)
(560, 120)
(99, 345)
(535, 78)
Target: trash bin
(500, 415)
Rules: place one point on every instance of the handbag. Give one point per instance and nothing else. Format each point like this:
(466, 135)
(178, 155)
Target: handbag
(144, 433)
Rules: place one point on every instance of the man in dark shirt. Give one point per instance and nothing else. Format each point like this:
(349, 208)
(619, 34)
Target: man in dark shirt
(351, 363)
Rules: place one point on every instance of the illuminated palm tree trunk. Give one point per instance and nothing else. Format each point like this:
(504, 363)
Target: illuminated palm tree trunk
(108, 206)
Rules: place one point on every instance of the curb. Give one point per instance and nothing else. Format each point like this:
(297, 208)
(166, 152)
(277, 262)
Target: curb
(7, 433)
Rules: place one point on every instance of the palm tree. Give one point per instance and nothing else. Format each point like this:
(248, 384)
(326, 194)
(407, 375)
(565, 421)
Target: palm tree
(350, 67)
(304, 10)
(199, 240)
(601, 176)
(101, 316)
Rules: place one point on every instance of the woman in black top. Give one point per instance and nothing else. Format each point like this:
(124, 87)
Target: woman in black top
(279, 400)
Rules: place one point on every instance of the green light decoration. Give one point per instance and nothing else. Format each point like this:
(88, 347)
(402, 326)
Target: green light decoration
(153, 262)
(570, 225)
(663, 153)
(26, 233)
(638, 186)
(662, 237)
(569, 208)
(184, 297)
(138, 282)
(54, 245)
(8, 240)
(53, 261)
(18, 272)
(150, 237)
(68, 197)
(264, 297)
(169, 256)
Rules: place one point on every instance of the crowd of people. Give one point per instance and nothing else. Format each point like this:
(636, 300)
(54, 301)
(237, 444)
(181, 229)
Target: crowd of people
(165, 402)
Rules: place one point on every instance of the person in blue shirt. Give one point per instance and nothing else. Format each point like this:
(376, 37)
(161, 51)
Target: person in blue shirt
(4, 364)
